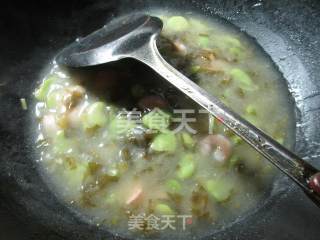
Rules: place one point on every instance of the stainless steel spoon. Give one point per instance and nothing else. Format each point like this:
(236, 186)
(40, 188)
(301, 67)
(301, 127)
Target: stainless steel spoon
(134, 36)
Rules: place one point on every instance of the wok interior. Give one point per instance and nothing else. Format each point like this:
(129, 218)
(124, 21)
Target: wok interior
(22, 190)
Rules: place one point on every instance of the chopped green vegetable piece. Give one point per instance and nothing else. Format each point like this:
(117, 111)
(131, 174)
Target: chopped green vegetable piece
(187, 140)
(42, 92)
(120, 127)
(177, 24)
(195, 69)
(163, 209)
(95, 115)
(251, 109)
(23, 103)
(156, 119)
(173, 186)
(203, 41)
(61, 144)
(243, 79)
(220, 189)
(186, 166)
(164, 142)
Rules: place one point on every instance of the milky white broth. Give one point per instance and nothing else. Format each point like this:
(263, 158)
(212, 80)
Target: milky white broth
(109, 175)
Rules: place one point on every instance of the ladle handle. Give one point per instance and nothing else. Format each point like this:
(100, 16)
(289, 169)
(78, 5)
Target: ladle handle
(304, 174)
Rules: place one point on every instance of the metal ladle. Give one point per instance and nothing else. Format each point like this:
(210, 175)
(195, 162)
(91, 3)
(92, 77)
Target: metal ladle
(134, 36)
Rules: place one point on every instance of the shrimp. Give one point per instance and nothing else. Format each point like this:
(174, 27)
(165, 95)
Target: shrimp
(135, 195)
(180, 47)
(218, 145)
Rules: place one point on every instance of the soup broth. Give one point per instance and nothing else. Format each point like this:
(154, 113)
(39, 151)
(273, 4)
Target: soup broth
(134, 154)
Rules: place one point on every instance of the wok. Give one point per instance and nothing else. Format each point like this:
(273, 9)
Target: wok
(32, 34)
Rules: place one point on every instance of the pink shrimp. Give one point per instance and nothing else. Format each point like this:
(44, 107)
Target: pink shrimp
(180, 47)
(217, 144)
(135, 195)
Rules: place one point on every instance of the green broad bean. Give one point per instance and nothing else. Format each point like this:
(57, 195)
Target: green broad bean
(236, 52)
(251, 109)
(187, 140)
(173, 186)
(198, 26)
(195, 69)
(228, 93)
(252, 119)
(164, 142)
(177, 24)
(120, 127)
(220, 189)
(186, 167)
(231, 41)
(163, 209)
(94, 116)
(243, 79)
(156, 119)
(42, 92)
(203, 41)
